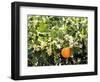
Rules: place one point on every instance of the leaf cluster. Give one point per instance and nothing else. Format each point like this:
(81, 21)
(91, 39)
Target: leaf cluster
(47, 35)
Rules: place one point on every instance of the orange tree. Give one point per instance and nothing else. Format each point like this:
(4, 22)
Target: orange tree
(49, 35)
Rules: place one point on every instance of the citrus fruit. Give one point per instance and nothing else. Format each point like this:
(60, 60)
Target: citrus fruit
(66, 52)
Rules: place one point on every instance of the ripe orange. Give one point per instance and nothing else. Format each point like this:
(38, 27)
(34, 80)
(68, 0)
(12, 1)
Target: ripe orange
(66, 52)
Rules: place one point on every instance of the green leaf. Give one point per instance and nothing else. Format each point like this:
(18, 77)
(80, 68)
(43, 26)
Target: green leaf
(43, 28)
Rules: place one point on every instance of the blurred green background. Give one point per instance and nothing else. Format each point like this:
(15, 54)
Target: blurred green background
(47, 35)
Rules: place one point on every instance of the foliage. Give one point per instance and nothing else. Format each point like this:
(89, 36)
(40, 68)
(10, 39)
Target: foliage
(47, 35)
